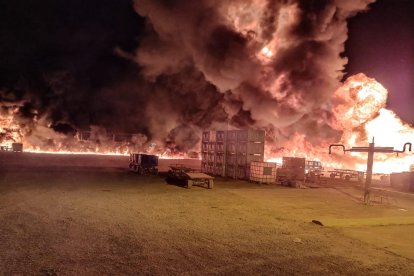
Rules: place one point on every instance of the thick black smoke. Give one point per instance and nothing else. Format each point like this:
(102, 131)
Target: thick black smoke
(286, 92)
(170, 68)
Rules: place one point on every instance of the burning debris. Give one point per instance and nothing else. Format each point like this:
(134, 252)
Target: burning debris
(264, 64)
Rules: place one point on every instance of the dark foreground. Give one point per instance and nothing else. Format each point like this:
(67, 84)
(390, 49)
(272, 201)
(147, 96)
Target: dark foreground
(72, 220)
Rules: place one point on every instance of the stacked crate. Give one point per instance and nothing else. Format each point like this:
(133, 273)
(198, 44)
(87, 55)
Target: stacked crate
(233, 152)
(244, 147)
(213, 152)
(220, 153)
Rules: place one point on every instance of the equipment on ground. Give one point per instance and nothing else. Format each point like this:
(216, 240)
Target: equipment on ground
(143, 164)
(15, 147)
(263, 172)
(348, 175)
(313, 170)
(181, 174)
(292, 172)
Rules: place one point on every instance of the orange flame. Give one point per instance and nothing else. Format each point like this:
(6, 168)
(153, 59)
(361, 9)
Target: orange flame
(359, 109)
(10, 131)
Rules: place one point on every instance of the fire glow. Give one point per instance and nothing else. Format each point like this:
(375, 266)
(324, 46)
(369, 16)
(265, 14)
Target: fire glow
(360, 113)
(271, 65)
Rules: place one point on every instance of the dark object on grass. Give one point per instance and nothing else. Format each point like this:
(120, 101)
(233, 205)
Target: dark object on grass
(143, 163)
(317, 222)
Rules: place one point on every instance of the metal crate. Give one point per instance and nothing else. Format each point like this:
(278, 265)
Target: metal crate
(263, 172)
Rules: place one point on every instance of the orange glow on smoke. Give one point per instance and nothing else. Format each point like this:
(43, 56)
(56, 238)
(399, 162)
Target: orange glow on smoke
(9, 129)
(267, 52)
(360, 113)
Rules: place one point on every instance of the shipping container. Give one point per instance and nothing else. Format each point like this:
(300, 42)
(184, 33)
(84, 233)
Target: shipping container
(17, 147)
(263, 172)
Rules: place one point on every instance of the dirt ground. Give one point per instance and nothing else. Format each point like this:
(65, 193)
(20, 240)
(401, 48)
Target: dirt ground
(75, 215)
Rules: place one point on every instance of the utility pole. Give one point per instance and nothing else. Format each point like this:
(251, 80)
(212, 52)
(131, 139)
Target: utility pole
(371, 149)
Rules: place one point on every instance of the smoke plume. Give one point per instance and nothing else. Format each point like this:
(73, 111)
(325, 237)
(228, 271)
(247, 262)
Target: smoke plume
(275, 63)
(184, 67)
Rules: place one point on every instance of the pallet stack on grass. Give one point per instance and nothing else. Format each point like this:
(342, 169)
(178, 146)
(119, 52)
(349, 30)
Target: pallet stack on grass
(229, 153)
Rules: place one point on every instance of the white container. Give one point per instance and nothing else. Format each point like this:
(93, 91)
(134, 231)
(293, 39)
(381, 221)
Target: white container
(263, 172)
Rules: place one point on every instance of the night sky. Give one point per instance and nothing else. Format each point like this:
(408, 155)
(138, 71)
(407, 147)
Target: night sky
(52, 46)
(381, 44)
(63, 52)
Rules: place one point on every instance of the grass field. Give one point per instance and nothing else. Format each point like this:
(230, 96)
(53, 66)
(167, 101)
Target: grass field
(60, 216)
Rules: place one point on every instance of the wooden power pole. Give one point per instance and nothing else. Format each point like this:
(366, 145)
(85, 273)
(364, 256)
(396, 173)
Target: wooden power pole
(371, 149)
